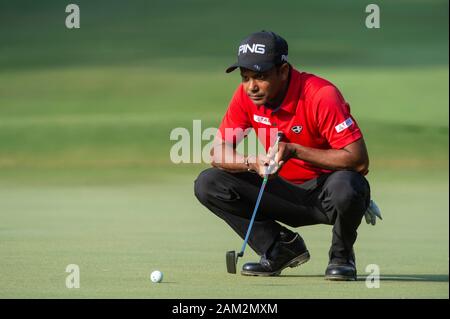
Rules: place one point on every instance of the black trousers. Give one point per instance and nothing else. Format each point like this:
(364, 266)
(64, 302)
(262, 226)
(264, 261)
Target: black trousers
(340, 199)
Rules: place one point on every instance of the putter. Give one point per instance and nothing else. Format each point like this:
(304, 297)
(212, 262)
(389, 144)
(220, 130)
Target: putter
(231, 257)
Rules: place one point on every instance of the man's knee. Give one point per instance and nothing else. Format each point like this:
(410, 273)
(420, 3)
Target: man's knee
(348, 192)
(204, 183)
(216, 185)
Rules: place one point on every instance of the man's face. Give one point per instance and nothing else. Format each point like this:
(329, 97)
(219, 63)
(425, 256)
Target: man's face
(264, 87)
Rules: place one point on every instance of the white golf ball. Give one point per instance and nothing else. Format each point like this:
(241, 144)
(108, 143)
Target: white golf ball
(156, 276)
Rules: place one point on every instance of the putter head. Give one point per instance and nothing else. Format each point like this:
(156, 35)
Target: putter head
(231, 260)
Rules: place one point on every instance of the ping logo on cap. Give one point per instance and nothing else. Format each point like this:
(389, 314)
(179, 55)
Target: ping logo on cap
(254, 48)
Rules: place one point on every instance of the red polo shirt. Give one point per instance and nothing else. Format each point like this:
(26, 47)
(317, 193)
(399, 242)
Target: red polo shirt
(313, 114)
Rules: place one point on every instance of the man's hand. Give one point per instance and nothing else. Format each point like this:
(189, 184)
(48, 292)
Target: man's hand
(372, 213)
(262, 165)
(351, 157)
(285, 151)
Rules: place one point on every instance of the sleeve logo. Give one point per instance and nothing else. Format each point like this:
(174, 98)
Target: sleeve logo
(342, 126)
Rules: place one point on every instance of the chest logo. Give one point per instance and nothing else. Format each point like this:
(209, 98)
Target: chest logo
(261, 119)
(297, 129)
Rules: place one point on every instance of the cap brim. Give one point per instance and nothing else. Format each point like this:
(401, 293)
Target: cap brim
(231, 68)
(261, 67)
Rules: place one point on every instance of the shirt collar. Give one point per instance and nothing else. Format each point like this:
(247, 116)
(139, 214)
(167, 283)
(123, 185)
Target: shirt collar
(288, 105)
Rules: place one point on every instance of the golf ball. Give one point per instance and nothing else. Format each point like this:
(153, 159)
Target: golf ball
(156, 276)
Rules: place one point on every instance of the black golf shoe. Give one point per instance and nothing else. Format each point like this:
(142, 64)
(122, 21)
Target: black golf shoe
(288, 251)
(341, 270)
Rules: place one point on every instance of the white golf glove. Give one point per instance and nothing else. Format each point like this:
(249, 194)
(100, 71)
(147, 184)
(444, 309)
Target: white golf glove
(372, 213)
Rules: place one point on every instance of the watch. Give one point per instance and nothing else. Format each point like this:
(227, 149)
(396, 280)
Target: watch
(248, 164)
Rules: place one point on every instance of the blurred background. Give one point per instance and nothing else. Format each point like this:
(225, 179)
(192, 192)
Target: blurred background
(85, 119)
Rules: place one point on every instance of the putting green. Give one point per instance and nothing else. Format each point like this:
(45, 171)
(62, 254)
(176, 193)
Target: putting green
(118, 234)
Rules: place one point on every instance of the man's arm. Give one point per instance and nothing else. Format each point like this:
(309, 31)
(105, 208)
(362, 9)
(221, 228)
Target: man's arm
(352, 157)
(225, 156)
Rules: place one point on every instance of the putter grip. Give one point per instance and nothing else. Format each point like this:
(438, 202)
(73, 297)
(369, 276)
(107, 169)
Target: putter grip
(273, 151)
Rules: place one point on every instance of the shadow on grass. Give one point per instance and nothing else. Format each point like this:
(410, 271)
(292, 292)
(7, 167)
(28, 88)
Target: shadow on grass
(422, 277)
(406, 277)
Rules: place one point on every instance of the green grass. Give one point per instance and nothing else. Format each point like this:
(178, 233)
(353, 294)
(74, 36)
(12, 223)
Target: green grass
(85, 119)
(118, 234)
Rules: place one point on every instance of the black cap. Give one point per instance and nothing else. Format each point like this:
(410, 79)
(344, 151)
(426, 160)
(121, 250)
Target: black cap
(260, 52)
